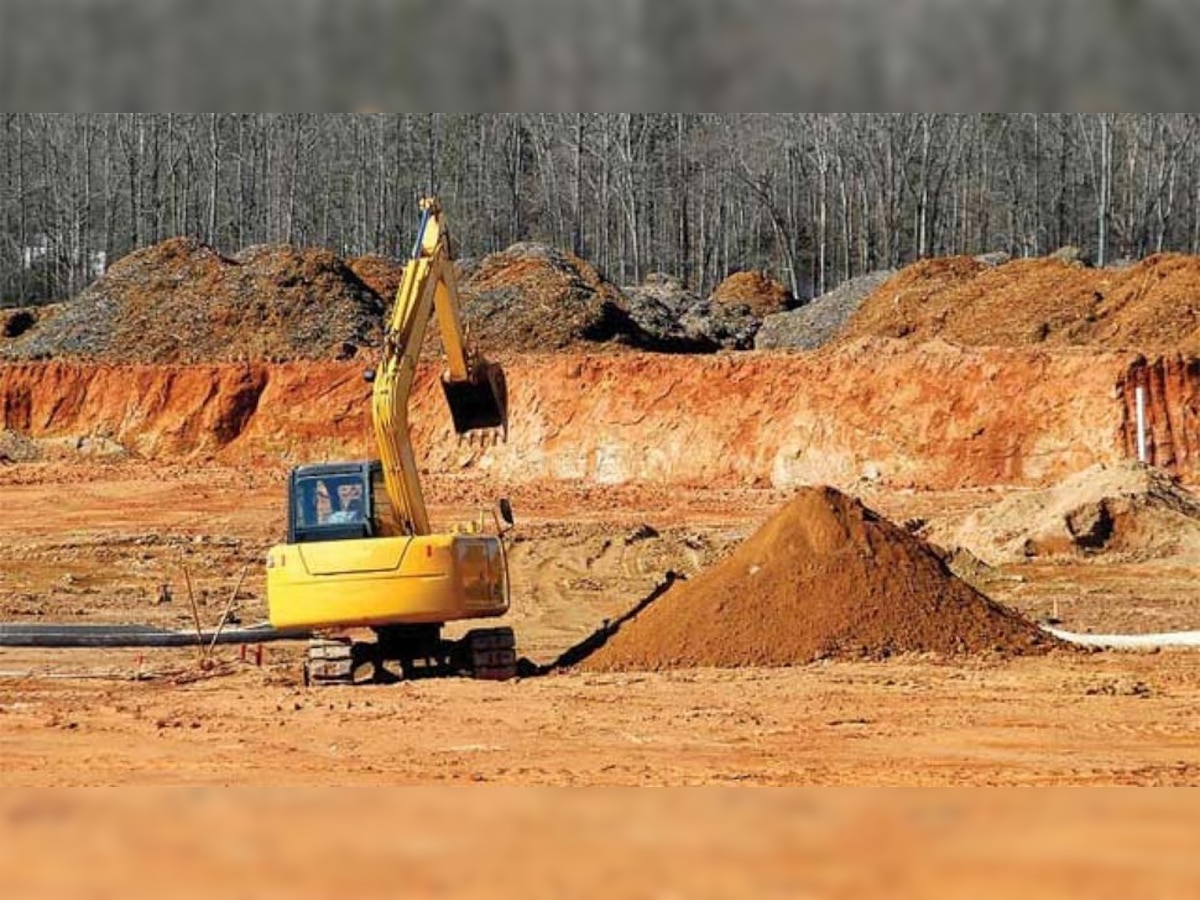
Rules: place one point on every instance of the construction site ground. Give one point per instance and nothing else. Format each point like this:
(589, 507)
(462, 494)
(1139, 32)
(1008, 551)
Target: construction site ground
(91, 541)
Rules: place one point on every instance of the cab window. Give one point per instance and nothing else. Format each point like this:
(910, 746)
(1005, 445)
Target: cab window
(330, 500)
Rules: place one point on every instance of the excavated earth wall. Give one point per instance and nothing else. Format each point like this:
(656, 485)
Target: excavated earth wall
(932, 416)
(1171, 390)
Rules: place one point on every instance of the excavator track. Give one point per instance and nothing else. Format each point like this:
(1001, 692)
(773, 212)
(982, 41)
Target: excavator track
(487, 654)
(329, 661)
(491, 652)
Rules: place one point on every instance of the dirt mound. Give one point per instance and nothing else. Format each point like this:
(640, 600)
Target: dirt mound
(757, 290)
(1151, 305)
(1123, 511)
(534, 297)
(181, 301)
(382, 274)
(825, 577)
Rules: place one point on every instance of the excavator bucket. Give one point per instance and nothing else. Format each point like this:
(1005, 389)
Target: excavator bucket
(481, 402)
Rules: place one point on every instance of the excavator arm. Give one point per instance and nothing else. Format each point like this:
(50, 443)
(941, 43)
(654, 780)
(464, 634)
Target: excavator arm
(475, 389)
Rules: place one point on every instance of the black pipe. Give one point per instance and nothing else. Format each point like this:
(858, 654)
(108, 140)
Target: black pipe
(66, 635)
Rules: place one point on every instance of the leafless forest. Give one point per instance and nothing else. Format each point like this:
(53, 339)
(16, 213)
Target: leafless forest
(814, 198)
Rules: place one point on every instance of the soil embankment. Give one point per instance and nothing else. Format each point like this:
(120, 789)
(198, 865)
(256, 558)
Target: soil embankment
(934, 416)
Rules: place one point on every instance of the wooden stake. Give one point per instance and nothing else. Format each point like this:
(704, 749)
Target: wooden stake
(228, 608)
(195, 611)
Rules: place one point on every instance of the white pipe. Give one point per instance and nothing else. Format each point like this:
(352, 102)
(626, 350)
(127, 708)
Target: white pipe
(1129, 641)
(1141, 424)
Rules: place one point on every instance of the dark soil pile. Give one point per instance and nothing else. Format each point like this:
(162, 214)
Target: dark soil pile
(664, 308)
(534, 297)
(824, 578)
(16, 321)
(180, 301)
(1150, 305)
(382, 274)
(756, 290)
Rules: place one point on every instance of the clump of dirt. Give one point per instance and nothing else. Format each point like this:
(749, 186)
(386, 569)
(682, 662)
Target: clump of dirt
(1151, 305)
(17, 448)
(760, 292)
(824, 578)
(181, 301)
(1128, 511)
(15, 322)
(535, 297)
(382, 274)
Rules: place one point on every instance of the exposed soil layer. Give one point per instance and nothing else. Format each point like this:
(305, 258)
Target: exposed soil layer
(934, 416)
(1171, 390)
(823, 578)
(1125, 511)
(1152, 305)
(181, 301)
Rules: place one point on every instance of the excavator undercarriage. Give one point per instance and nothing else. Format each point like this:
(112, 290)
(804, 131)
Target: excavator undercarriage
(406, 652)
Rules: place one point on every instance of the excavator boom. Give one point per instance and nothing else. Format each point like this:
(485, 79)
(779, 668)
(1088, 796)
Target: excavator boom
(475, 389)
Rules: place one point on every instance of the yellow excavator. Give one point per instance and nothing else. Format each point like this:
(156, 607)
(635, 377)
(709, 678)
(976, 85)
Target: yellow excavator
(360, 552)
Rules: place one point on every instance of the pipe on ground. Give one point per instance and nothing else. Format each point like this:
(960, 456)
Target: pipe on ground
(64, 635)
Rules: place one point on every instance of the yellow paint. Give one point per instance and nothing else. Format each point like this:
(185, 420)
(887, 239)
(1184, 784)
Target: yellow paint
(386, 581)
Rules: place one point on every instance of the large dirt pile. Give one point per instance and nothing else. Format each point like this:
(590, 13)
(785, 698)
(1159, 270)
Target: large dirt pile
(1151, 305)
(825, 577)
(759, 291)
(181, 301)
(1125, 511)
(819, 322)
(534, 297)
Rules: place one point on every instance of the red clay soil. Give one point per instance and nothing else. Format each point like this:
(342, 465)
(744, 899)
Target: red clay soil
(934, 416)
(1153, 305)
(182, 301)
(823, 578)
(757, 290)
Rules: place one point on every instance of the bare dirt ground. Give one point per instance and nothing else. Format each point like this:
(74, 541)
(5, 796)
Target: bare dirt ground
(94, 543)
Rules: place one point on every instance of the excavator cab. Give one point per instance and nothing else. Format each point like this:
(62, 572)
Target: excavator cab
(332, 502)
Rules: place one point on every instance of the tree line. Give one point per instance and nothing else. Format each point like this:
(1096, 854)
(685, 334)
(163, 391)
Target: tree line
(813, 198)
